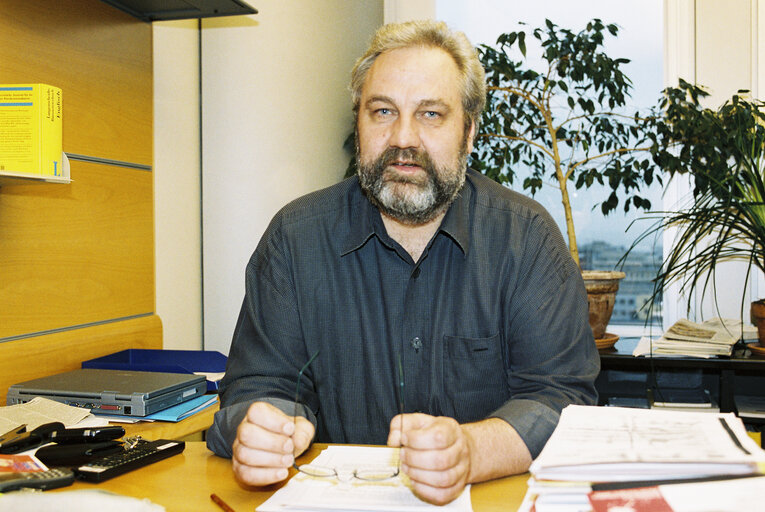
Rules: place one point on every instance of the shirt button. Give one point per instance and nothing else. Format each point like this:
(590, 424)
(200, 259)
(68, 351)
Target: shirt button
(416, 273)
(416, 343)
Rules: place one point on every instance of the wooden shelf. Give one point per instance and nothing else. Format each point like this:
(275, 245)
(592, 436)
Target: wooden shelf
(159, 10)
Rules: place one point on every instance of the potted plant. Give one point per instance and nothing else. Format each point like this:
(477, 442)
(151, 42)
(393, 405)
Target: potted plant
(568, 125)
(722, 150)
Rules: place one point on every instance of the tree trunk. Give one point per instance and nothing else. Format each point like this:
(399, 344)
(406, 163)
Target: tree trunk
(572, 247)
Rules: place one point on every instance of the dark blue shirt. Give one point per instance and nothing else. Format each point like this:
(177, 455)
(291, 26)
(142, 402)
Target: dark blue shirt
(492, 321)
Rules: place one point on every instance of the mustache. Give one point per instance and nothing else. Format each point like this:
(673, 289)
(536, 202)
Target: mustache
(409, 155)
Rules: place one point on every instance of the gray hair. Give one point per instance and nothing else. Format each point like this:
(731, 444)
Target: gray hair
(428, 34)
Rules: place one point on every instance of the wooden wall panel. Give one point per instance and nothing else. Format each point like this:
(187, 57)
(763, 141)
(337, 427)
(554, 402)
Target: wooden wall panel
(77, 260)
(101, 59)
(78, 253)
(31, 358)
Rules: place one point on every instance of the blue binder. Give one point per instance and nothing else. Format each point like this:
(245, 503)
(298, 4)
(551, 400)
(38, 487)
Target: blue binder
(168, 361)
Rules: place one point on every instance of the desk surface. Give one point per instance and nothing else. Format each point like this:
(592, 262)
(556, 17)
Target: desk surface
(166, 430)
(184, 483)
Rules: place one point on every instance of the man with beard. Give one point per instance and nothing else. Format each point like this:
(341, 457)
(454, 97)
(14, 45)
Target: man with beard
(419, 304)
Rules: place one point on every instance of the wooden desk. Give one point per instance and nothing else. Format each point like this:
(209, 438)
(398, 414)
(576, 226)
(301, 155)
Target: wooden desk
(184, 482)
(195, 423)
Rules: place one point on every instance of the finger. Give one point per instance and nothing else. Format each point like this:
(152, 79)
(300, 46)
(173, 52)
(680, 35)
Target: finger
(394, 432)
(270, 418)
(304, 432)
(256, 457)
(252, 475)
(433, 460)
(256, 437)
(438, 434)
(414, 420)
(437, 495)
(443, 478)
(403, 423)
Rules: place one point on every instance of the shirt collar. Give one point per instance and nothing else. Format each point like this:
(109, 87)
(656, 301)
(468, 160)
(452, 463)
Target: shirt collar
(457, 219)
(363, 220)
(366, 221)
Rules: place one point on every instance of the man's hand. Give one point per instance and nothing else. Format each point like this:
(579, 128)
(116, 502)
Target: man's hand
(267, 442)
(441, 456)
(435, 454)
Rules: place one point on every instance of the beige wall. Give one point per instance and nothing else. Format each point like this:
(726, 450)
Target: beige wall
(275, 111)
(724, 46)
(404, 10)
(177, 193)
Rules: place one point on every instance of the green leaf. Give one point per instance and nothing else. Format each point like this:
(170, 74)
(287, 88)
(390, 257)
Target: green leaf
(586, 87)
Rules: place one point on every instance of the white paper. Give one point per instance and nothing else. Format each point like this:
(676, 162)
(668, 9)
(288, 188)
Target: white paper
(724, 496)
(84, 499)
(212, 376)
(39, 411)
(305, 493)
(734, 326)
(685, 330)
(619, 443)
(92, 421)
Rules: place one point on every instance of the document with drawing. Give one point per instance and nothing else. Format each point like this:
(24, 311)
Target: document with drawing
(610, 444)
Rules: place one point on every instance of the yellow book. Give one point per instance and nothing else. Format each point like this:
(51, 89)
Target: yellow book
(31, 130)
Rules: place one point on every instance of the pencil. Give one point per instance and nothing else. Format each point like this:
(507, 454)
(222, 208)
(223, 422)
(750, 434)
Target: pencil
(222, 504)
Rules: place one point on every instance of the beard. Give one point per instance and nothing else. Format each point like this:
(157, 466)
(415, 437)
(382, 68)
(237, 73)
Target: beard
(414, 199)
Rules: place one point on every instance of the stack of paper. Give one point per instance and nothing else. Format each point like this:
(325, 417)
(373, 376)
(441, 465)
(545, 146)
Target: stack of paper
(684, 399)
(750, 406)
(714, 337)
(636, 448)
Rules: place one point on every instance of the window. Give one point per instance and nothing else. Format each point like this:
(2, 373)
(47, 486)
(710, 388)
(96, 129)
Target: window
(602, 240)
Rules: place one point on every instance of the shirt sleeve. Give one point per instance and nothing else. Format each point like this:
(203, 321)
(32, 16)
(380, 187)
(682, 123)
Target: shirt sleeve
(267, 350)
(553, 360)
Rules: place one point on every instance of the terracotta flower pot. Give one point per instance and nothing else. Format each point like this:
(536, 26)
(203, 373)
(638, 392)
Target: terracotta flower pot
(601, 294)
(757, 314)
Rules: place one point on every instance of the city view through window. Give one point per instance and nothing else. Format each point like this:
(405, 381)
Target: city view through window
(602, 240)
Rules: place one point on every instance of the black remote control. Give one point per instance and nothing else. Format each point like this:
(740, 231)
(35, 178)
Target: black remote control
(50, 479)
(142, 454)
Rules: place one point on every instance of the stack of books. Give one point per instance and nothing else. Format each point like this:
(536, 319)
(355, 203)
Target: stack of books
(608, 449)
(714, 337)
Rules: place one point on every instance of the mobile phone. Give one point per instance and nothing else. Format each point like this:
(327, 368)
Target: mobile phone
(50, 479)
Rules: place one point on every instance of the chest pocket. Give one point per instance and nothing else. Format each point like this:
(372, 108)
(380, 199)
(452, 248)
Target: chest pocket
(475, 382)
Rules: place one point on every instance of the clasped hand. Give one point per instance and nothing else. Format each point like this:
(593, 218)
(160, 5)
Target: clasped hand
(435, 452)
(267, 442)
(435, 455)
